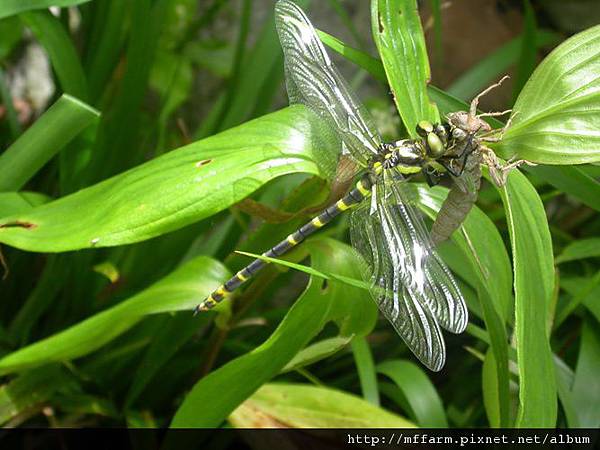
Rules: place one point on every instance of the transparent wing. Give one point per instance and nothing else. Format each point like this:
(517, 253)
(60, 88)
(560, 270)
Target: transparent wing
(411, 284)
(313, 80)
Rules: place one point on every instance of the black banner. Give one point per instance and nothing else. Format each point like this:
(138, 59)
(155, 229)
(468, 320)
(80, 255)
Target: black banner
(295, 439)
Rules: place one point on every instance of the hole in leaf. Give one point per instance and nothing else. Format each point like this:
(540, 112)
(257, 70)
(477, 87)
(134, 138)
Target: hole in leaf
(381, 28)
(324, 286)
(203, 162)
(18, 224)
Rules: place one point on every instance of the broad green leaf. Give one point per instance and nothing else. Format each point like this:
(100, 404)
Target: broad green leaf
(11, 7)
(316, 352)
(586, 385)
(533, 286)
(397, 31)
(180, 290)
(571, 180)
(555, 120)
(492, 67)
(352, 309)
(64, 120)
(366, 370)
(50, 32)
(304, 406)
(175, 189)
(580, 249)
(425, 404)
(18, 202)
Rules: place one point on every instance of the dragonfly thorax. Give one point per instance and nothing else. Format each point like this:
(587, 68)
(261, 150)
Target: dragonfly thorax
(408, 155)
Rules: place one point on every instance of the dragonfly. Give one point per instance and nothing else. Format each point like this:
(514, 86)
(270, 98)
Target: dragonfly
(411, 284)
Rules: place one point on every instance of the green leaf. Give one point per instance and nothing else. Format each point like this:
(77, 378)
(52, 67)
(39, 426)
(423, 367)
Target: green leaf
(354, 312)
(180, 290)
(11, 7)
(583, 290)
(304, 406)
(366, 370)
(358, 57)
(316, 352)
(18, 202)
(176, 331)
(28, 390)
(425, 404)
(564, 381)
(586, 385)
(555, 118)
(534, 287)
(50, 32)
(397, 31)
(174, 190)
(64, 120)
(571, 180)
(358, 283)
(580, 249)
(483, 247)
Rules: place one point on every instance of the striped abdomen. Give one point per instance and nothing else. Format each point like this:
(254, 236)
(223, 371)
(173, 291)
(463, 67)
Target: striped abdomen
(457, 205)
(354, 197)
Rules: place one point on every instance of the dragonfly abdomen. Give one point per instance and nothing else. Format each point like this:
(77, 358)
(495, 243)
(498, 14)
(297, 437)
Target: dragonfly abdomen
(355, 196)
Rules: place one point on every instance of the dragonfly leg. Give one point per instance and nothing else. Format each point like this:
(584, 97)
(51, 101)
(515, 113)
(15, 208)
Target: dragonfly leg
(432, 178)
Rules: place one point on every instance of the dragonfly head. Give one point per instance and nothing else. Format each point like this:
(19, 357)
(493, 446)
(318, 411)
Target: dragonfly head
(436, 138)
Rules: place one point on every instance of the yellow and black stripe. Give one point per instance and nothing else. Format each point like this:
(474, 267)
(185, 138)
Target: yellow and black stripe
(354, 197)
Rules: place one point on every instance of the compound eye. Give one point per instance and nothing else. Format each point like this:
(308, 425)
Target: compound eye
(436, 146)
(442, 133)
(424, 127)
(459, 134)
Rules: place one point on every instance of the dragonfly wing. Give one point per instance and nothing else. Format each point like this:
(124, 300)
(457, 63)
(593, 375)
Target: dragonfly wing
(411, 284)
(313, 80)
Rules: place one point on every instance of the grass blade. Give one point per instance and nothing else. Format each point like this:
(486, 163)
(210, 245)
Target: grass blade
(50, 32)
(527, 59)
(12, 7)
(366, 370)
(425, 404)
(496, 64)
(49, 134)
(586, 385)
